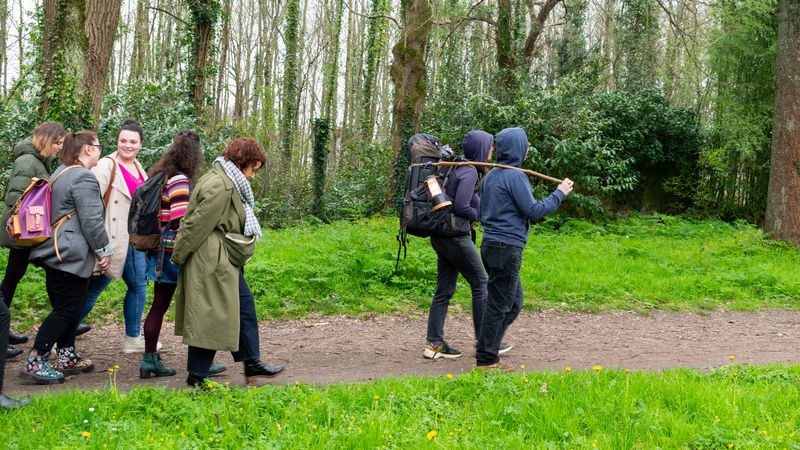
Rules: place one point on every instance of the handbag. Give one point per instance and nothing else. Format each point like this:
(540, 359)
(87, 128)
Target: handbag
(240, 248)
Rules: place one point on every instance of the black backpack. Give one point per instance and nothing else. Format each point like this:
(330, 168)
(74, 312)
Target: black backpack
(417, 217)
(144, 217)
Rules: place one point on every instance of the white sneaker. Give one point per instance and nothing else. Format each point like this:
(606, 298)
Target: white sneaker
(136, 344)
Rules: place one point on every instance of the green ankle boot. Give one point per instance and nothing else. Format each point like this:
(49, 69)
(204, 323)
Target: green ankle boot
(152, 366)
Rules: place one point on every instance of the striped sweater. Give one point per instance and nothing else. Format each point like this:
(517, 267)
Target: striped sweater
(174, 200)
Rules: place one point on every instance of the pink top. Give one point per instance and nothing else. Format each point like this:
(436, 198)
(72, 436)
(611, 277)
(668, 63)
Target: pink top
(133, 181)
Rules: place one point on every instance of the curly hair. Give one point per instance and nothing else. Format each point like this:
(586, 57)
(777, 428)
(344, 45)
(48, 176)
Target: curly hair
(244, 153)
(183, 156)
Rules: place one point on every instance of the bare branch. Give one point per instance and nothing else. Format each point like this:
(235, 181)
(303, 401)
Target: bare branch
(169, 14)
(538, 26)
(375, 16)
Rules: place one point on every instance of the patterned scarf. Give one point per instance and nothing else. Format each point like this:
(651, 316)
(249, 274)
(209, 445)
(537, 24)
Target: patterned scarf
(251, 225)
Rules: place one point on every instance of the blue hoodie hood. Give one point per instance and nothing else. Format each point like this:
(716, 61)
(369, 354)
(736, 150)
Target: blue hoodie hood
(476, 145)
(512, 146)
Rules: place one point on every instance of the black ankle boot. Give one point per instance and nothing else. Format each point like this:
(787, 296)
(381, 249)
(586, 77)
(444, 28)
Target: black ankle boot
(255, 370)
(195, 381)
(16, 339)
(12, 352)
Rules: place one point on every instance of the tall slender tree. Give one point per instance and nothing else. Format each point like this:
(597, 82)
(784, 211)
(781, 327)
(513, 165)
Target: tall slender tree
(204, 15)
(783, 199)
(290, 74)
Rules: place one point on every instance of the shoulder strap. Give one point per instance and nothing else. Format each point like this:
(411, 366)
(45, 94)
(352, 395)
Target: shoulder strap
(62, 173)
(107, 195)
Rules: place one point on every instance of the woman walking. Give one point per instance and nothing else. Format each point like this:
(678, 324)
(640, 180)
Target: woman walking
(179, 166)
(79, 243)
(33, 158)
(119, 174)
(214, 306)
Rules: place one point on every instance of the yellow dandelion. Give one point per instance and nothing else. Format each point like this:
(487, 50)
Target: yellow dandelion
(522, 367)
(568, 369)
(449, 376)
(296, 382)
(177, 427)
(116, 366)
(597, 368)
(730, 445)
(183, 434)
(314, 426)
(211, 439)
(594, 444)
(376, 398)
(86, 434)
(110, 370)
(526, 380)
(627, 370)
(731, 357)
(431, 434)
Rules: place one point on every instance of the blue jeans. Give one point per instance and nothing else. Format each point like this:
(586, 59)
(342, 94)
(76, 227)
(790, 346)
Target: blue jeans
(134, 275)
(504, 299)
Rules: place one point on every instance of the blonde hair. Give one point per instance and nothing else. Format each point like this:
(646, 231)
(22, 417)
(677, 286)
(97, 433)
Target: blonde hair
(45, 135)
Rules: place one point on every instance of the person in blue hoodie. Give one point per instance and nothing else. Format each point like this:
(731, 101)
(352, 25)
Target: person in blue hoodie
(458, 254)
(507, 208)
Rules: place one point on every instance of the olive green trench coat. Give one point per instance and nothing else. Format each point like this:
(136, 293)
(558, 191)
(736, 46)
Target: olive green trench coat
(207, 295)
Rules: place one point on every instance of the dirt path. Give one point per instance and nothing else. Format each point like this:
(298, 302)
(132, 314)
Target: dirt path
(332, 349)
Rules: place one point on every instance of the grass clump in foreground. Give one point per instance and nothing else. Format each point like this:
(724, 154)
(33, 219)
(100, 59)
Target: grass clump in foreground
(640, 263)
(732, 407)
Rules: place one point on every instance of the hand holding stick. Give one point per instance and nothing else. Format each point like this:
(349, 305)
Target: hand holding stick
(502, 166)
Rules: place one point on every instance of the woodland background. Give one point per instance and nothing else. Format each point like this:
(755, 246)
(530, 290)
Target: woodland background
(649, 105)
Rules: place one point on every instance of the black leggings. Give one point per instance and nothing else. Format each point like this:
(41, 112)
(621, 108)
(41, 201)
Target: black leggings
(162, 297)
(67, 293)
(5, 321)
(15, 270)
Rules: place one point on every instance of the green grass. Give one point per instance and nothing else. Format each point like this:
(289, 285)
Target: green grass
(748, 407)
(640, 263)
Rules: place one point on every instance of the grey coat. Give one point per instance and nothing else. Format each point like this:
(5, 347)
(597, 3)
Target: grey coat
(82, 236)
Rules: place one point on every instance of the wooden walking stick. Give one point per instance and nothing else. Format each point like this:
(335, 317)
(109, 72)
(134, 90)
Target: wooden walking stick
(502, 166)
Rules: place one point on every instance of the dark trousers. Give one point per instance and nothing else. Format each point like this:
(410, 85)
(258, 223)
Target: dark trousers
(504, 296)
(456, 255)
(200, 359)
(15, 270)
(5, 323)
(67, 294)
(162, 297)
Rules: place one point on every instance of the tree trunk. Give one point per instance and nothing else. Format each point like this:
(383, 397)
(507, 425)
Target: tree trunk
(76, 57)
(100, 31)
(783, 198)
(376, 36)
(141, 41)
(408, 74)
(204, 16)
(290, 69)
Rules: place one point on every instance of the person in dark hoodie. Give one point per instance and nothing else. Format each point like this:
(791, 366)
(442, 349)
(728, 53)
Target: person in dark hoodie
(507, 208)
(458, 254)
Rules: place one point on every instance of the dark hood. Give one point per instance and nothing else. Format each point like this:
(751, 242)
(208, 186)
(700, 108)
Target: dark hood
(25, 147)
(511, 146)
(476, 145)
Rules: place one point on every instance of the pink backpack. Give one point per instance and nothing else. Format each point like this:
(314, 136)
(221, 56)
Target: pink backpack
(30, 223)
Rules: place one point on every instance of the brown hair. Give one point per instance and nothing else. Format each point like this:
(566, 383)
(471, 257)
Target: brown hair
(244, 153)
(73, 144)
(45, 135)
(131, 125)
(183, 156)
